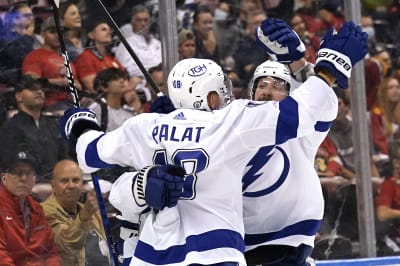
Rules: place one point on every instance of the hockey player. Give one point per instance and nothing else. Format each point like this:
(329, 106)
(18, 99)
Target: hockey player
(274, 236)
(213, 147)
(287, 179)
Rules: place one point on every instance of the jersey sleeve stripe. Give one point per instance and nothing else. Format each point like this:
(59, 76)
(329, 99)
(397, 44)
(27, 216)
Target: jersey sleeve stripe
(288, 120)
(216, 239)
(306, 227)
(92, 157)
(322, 126)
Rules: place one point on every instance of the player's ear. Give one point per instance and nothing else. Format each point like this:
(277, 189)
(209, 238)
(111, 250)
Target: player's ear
(213, 100)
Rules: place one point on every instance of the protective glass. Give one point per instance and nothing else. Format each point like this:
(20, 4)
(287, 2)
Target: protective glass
(227, 94)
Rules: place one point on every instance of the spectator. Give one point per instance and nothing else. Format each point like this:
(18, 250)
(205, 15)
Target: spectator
(147, 47)
(248, 54)
(227, 28)
(308, 11)
(341, 132)
(186, 44)
(25, 236)
(96, 56)
(72, 221)
(330, 14)
(206, 44)
(384, 117)
(16, 41)
(112, 83)
(72, 23)
(327, 161)
(46, 62)
(31, 129)
(246, 7)
(157, 74)
(376, 68)
(185, 10)
(388, 202)
(278, 8)
(310, 40)
(389, 103)
(367, 24)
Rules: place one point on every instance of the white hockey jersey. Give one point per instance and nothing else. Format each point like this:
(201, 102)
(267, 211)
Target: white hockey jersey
(215, 148)
(283, 202)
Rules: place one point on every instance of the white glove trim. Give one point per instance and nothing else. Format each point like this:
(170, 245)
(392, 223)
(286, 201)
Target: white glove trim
(340, 61)
(139, 186)
(274, 46)
(81, 115)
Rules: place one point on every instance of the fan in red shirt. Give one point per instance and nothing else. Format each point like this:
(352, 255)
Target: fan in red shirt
(26, 238)
(46, 62)
(96, 56)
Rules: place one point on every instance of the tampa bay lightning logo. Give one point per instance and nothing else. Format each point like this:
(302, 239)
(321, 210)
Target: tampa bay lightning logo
(259, 160)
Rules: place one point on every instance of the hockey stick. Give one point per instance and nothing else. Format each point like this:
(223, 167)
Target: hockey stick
(74, 93)
(130, 50)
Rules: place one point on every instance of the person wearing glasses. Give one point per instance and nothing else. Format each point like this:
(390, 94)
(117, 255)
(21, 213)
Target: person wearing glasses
(25, 235)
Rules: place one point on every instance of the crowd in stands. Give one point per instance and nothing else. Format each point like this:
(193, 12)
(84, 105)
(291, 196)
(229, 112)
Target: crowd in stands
(34, 94)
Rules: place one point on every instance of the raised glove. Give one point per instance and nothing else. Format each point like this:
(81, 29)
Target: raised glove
(159, 186)
(76, 121)
(162, 105)
(339, 51)
(279, 41)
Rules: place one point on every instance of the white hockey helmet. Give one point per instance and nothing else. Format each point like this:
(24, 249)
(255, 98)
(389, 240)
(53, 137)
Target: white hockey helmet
(191, 80)
(269, 69)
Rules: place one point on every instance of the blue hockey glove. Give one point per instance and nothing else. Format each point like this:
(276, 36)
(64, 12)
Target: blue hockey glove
(76, 121)
(159, 186)
(162, 105)
(279, 41)
(339, 51)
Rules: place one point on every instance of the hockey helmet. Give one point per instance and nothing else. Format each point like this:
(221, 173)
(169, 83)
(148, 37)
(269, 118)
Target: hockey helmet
(269, 69)
(191, 80)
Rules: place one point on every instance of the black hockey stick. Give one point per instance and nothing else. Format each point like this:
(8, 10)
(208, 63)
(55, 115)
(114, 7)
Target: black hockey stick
(130, 50)
(74, 93)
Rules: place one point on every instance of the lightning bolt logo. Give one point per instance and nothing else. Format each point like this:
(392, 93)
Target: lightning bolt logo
(259, 160)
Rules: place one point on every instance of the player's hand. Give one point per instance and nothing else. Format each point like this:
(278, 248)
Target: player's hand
(162, 105)
(279, 41)
(339, 51)
(159, 186)
(76, 121)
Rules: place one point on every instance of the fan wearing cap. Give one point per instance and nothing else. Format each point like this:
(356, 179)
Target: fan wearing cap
(25, 235)
(34, 131)
(47, 62)
(96, 56)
